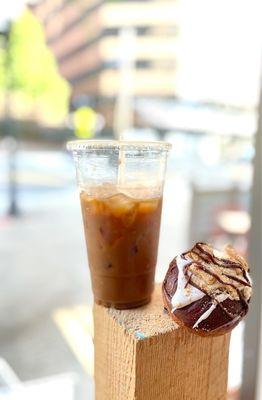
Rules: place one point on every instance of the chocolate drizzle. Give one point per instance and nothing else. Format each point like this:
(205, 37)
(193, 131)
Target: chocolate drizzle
(224, 263)
(234, 278)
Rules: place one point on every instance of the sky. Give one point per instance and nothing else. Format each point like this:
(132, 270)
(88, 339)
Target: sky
(11, 9)
(220, 50)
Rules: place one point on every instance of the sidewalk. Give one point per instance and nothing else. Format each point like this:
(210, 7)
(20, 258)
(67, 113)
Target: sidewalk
(42, 268)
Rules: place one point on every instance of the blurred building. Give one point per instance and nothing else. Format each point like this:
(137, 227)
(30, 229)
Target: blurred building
(109, 49)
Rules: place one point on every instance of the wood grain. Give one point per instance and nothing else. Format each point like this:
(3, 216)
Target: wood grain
(142, 355)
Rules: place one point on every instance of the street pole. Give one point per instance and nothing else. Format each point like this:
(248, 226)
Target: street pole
(10, 140)
(124, 107)
(12, 147)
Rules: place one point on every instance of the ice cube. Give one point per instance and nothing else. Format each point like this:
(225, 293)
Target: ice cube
(122, 207)
(120, 204)
(148, 206)
(89, 204)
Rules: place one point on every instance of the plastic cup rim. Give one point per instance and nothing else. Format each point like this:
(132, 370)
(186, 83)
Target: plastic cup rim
(75, 145)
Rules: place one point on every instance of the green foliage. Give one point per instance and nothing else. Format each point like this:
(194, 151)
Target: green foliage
(31, 67)
(2, 67)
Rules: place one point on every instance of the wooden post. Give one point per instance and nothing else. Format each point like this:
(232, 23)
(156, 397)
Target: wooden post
(141, 354)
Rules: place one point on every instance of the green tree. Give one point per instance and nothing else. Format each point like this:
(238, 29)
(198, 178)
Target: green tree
(2, 62)
(31, 67)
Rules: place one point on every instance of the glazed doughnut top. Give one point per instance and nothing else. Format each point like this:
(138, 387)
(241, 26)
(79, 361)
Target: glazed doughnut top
(208, 290)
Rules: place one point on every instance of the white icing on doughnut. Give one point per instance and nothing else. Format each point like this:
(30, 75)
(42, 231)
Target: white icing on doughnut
(205, 315)
(221, 297)
(184, 294)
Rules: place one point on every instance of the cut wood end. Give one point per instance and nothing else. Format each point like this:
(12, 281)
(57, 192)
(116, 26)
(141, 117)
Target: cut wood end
(144, 322)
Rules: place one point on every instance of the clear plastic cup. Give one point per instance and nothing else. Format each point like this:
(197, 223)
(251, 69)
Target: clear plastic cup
(121, 188)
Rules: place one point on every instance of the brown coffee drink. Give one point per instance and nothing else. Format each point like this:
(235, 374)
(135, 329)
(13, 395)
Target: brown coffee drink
(122, 233)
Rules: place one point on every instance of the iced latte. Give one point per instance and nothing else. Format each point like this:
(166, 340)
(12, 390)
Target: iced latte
(121, 186)
(122, 233)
